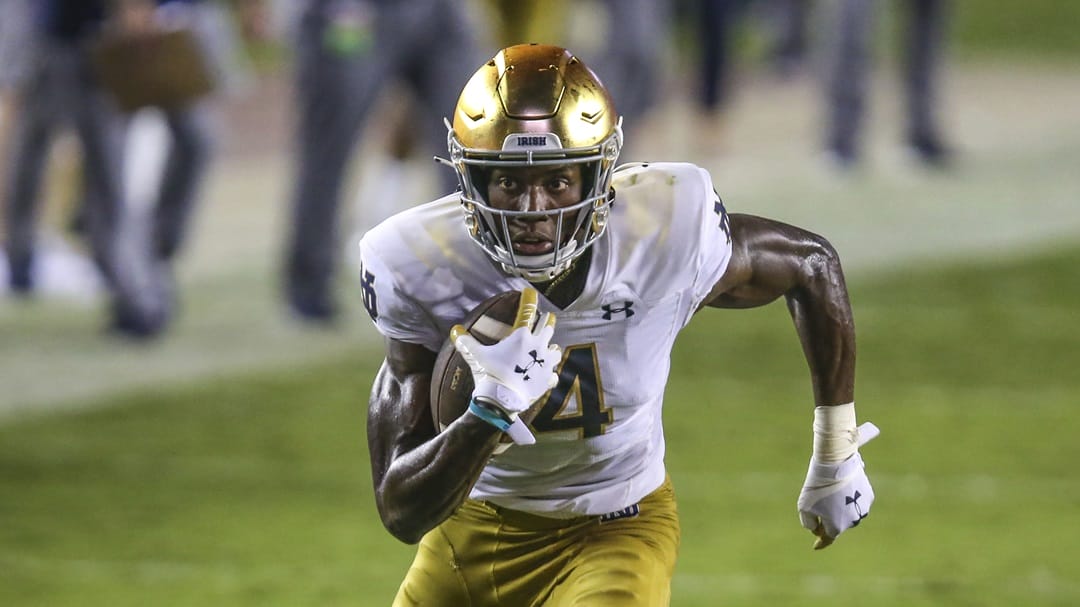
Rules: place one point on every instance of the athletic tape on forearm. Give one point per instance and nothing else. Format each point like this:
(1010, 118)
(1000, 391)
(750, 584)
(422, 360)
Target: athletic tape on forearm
(835, 435)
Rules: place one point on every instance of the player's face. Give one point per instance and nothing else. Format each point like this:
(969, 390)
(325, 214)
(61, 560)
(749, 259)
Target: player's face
(537, 189)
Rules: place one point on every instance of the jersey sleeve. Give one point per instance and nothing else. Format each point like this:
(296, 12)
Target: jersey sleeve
(708, 240)
(383, 289)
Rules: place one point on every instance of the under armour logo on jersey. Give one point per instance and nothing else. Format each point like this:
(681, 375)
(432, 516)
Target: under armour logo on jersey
(853, 500)
(524, 371)
(610, 310)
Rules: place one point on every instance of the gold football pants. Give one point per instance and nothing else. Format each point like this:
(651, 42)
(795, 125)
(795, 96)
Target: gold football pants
(485, 555)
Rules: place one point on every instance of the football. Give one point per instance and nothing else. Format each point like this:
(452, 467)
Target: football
(451, 380)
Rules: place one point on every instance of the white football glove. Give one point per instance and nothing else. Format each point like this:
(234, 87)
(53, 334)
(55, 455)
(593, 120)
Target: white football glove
(836, 495)
(515, 372)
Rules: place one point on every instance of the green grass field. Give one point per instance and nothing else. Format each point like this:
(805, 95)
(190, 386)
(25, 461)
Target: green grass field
(254, 489)
(226, 465)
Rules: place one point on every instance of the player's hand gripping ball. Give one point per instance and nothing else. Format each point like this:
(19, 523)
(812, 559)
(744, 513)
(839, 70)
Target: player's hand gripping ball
(501, 355)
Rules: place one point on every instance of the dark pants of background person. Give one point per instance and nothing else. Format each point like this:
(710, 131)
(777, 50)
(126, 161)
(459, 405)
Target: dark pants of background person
(61, 87)
(424, 43)
(184, 170)
(849, 71)
(638, 33)
(716, 30)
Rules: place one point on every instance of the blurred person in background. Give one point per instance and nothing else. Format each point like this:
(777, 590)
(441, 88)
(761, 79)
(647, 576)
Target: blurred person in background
(719, 26)
(61, 267)
(347, 51)
(716, 23)
(525, 21)
(852, 26)
(633, 54)
(788, 51)
(15, 43)
(61, 86)
(214, 58)
(627, 41)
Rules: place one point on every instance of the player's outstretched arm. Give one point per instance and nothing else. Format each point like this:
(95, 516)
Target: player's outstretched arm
(769, 260)
(420, 475)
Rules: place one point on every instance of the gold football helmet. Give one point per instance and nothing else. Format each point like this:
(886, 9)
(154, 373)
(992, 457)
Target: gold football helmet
(535, 105)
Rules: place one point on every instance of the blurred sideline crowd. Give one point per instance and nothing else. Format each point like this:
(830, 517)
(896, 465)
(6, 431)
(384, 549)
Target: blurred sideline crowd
(138, 83)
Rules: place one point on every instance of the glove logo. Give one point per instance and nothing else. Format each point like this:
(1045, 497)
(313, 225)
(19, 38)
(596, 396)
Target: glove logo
(524, 371)
(853, 500)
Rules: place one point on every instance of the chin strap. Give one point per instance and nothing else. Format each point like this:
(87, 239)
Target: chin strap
(543, 275)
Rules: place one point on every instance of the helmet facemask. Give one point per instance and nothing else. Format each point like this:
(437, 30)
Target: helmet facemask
(535, 106)
(577, 225)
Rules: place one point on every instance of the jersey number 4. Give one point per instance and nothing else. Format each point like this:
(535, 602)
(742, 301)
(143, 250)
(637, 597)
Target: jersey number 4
(579, 380)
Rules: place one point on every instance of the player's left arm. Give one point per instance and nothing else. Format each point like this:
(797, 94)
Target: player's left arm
(770, 260)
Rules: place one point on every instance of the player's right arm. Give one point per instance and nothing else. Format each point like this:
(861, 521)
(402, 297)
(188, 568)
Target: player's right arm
(420, 475)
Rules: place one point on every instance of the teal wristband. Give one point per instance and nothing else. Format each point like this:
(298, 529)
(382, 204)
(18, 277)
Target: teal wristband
(488, 415)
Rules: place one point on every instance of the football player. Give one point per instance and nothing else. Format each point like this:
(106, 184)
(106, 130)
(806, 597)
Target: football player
(612, 264)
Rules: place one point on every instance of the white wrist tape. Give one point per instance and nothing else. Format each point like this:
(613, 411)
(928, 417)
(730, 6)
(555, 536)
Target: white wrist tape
(835, 436)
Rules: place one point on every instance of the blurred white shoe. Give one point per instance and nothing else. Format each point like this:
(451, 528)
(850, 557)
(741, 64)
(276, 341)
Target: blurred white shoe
(59, 271)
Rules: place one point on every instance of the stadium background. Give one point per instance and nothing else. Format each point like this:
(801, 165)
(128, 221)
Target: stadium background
(225, 464)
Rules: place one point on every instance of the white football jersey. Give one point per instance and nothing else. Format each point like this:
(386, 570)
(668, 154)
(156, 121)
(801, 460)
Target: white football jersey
(599, 441)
